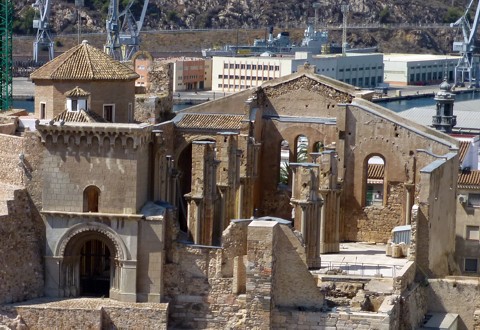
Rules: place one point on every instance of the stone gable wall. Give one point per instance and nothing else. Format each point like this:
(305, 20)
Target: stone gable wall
(363, 134)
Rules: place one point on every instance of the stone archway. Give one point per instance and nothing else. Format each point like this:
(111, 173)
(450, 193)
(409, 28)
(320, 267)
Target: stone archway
(110, 273)
(88, 266)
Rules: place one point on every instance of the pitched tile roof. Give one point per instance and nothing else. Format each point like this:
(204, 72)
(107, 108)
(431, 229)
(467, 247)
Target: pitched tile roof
(79, 117)
(84, 62)
(376, 171)
(76, 92)
(210, 121)
(462, 152)
(469, 179)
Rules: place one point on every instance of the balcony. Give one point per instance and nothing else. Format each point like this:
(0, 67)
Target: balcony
(444, 120)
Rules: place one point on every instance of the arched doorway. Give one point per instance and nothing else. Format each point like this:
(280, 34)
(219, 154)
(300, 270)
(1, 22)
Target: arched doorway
(95, 269)
(89, 265)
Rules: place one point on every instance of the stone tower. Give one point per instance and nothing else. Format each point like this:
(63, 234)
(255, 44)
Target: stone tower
(444, 120)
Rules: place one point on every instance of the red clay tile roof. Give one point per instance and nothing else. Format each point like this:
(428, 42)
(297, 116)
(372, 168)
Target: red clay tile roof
(376, 171)
(211, 121)
(84, 62)
(462, 152)
(76, 92)
(469, 179)
(79, 117)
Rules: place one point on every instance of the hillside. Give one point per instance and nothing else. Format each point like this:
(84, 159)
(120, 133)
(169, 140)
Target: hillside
(251, 17)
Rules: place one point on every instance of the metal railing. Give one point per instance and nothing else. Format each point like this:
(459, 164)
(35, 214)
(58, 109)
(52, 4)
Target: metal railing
(360, 269)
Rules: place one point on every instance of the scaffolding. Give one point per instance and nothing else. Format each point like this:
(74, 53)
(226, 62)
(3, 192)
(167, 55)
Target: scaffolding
(6, 16)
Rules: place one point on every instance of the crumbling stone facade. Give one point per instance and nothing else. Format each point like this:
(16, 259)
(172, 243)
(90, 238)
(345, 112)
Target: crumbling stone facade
(191, 213)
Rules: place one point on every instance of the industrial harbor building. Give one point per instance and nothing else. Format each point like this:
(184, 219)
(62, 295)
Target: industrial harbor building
(232, 74)
(418, 69)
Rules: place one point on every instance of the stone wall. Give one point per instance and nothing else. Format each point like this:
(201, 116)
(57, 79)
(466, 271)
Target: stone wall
(455, 295)
(437, 204)
(90, 313)
(8, 125)
(75, 159)
(11, 171)
(316, 320)
(199, 296)
(21, 232)
(375, 224)
(152, 109)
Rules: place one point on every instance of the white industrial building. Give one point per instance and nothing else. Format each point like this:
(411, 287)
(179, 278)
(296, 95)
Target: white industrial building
(418, 69)
(232, 74)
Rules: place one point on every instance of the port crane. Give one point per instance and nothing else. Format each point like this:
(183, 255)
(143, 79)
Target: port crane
(123, 30)
(466, 69)
(43, 38)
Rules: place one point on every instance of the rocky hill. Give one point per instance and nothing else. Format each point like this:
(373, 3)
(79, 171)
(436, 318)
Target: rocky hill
(285, 14)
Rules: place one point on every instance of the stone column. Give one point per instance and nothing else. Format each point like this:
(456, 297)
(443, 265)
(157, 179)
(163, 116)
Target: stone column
(260, 265)
(409, 187)
(323, 219)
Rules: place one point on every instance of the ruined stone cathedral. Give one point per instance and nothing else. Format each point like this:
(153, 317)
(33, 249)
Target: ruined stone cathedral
(219, 217)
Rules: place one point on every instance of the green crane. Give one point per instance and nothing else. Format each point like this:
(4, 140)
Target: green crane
(6, 16)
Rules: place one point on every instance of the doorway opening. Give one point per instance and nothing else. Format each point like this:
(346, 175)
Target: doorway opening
(95, 269)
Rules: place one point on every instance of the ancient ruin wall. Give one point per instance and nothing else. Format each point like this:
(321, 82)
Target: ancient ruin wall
(21, 227)
(11, 171)
(21, 249)
(199, 297)
(375, 223)
(455, 295)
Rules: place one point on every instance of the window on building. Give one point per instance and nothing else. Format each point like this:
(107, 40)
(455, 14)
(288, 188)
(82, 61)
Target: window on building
(277, 68)
(472, 233)
(270, 68)
(301, 150)
(474, 200)
(375, 179)
(130, 113)
(109, 112)
(243, 66)
(91, 196)
(219, 85)
(74, 105)
(42, 110)
(254, 67)
(471, 265)
(220, 76)
(237, 66)
(341, 70)
(284, 175)
(232, 66)
(249, 66)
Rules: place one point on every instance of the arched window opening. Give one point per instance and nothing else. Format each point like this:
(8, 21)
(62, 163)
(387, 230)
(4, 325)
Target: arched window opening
(95, 266)
(375, 181)
(284, 163)
(301, 149)
(318, 146)
(91, 196)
